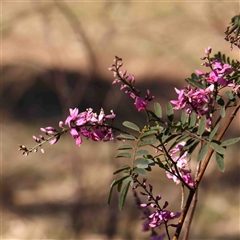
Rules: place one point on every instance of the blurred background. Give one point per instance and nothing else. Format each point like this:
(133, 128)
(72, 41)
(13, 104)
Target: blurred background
(55, 56)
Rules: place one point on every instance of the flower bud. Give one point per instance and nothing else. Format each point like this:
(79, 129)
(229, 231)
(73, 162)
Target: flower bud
(61, 123)
(43, 130)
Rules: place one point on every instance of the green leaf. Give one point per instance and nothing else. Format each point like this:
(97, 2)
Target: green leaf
(119, 186)
(125, 147)
(143, 162)
(131, 126)
(230, 95)
(213, 133)
(158, 110)
(123, 168)
(157, 128)
(142, 152)
(202, 152)
(188, 144)
(183, 116)
(193, 146)
(216, 147)
(166, 133)
(169, 111)
(202, 125)
(148, 133)
(182, 137)
(168, 139)
(192, 120)
(123, 195)
(113, 184)
(220, 101)
(194, 83)
(194, 76)
(220, 161)
(230, 141)
(148, 142)
(139, 171)
(234, 26)
(124, 155)
(222, 112)
(125, 137)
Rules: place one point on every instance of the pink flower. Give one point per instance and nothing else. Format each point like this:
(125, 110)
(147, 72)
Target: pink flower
(73, 115)
(140, 103)
(89, 125)
(182, 163)
(208, 50)
(200, 73)
(214, 76)
(193, 99)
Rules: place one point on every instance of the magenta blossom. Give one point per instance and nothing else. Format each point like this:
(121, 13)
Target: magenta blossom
(127, 83)
(181, 163)
(89, 125)
(194, 99)
(140, 103)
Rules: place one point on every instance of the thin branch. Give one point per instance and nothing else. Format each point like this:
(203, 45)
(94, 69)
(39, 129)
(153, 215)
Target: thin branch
(193, 206)
(200, 175)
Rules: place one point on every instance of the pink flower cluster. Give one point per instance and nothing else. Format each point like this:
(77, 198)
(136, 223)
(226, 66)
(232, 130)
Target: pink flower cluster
(160, 215)
(49, 131)
(181, 163)
(201, 100)
(127, 82)
(89, 125)
(218, 73)
(194, 99)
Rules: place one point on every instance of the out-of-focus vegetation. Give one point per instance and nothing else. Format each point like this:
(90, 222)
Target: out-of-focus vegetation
(55, 55)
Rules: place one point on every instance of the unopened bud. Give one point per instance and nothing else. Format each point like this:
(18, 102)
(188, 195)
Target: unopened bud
(43, 130)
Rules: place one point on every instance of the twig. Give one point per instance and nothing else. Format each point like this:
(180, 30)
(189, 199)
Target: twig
(193, 206)
(200, 175)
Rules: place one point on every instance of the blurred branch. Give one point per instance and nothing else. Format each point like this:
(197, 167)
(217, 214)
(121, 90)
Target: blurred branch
(80, 33)
(8, 25)
(67, 97)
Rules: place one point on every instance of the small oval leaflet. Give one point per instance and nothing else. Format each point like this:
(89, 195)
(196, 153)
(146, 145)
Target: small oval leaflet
(194, 83)
(183, 116)
(142, 162)
(125, 147)
(192, 120)
(229, 95)
(230, 141)
(148, 142)
(158, 110)
(202, 125)
(148, 133)
(124, 155)
(126, 137)
(123, 194)
(131, 126)
(220, 162)
(142, 152)
(202, 152)
(222, 112)
(114, 183)
(213, 133)
(217, 147)
(123, 168)
(139, 171)
(169, 111)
